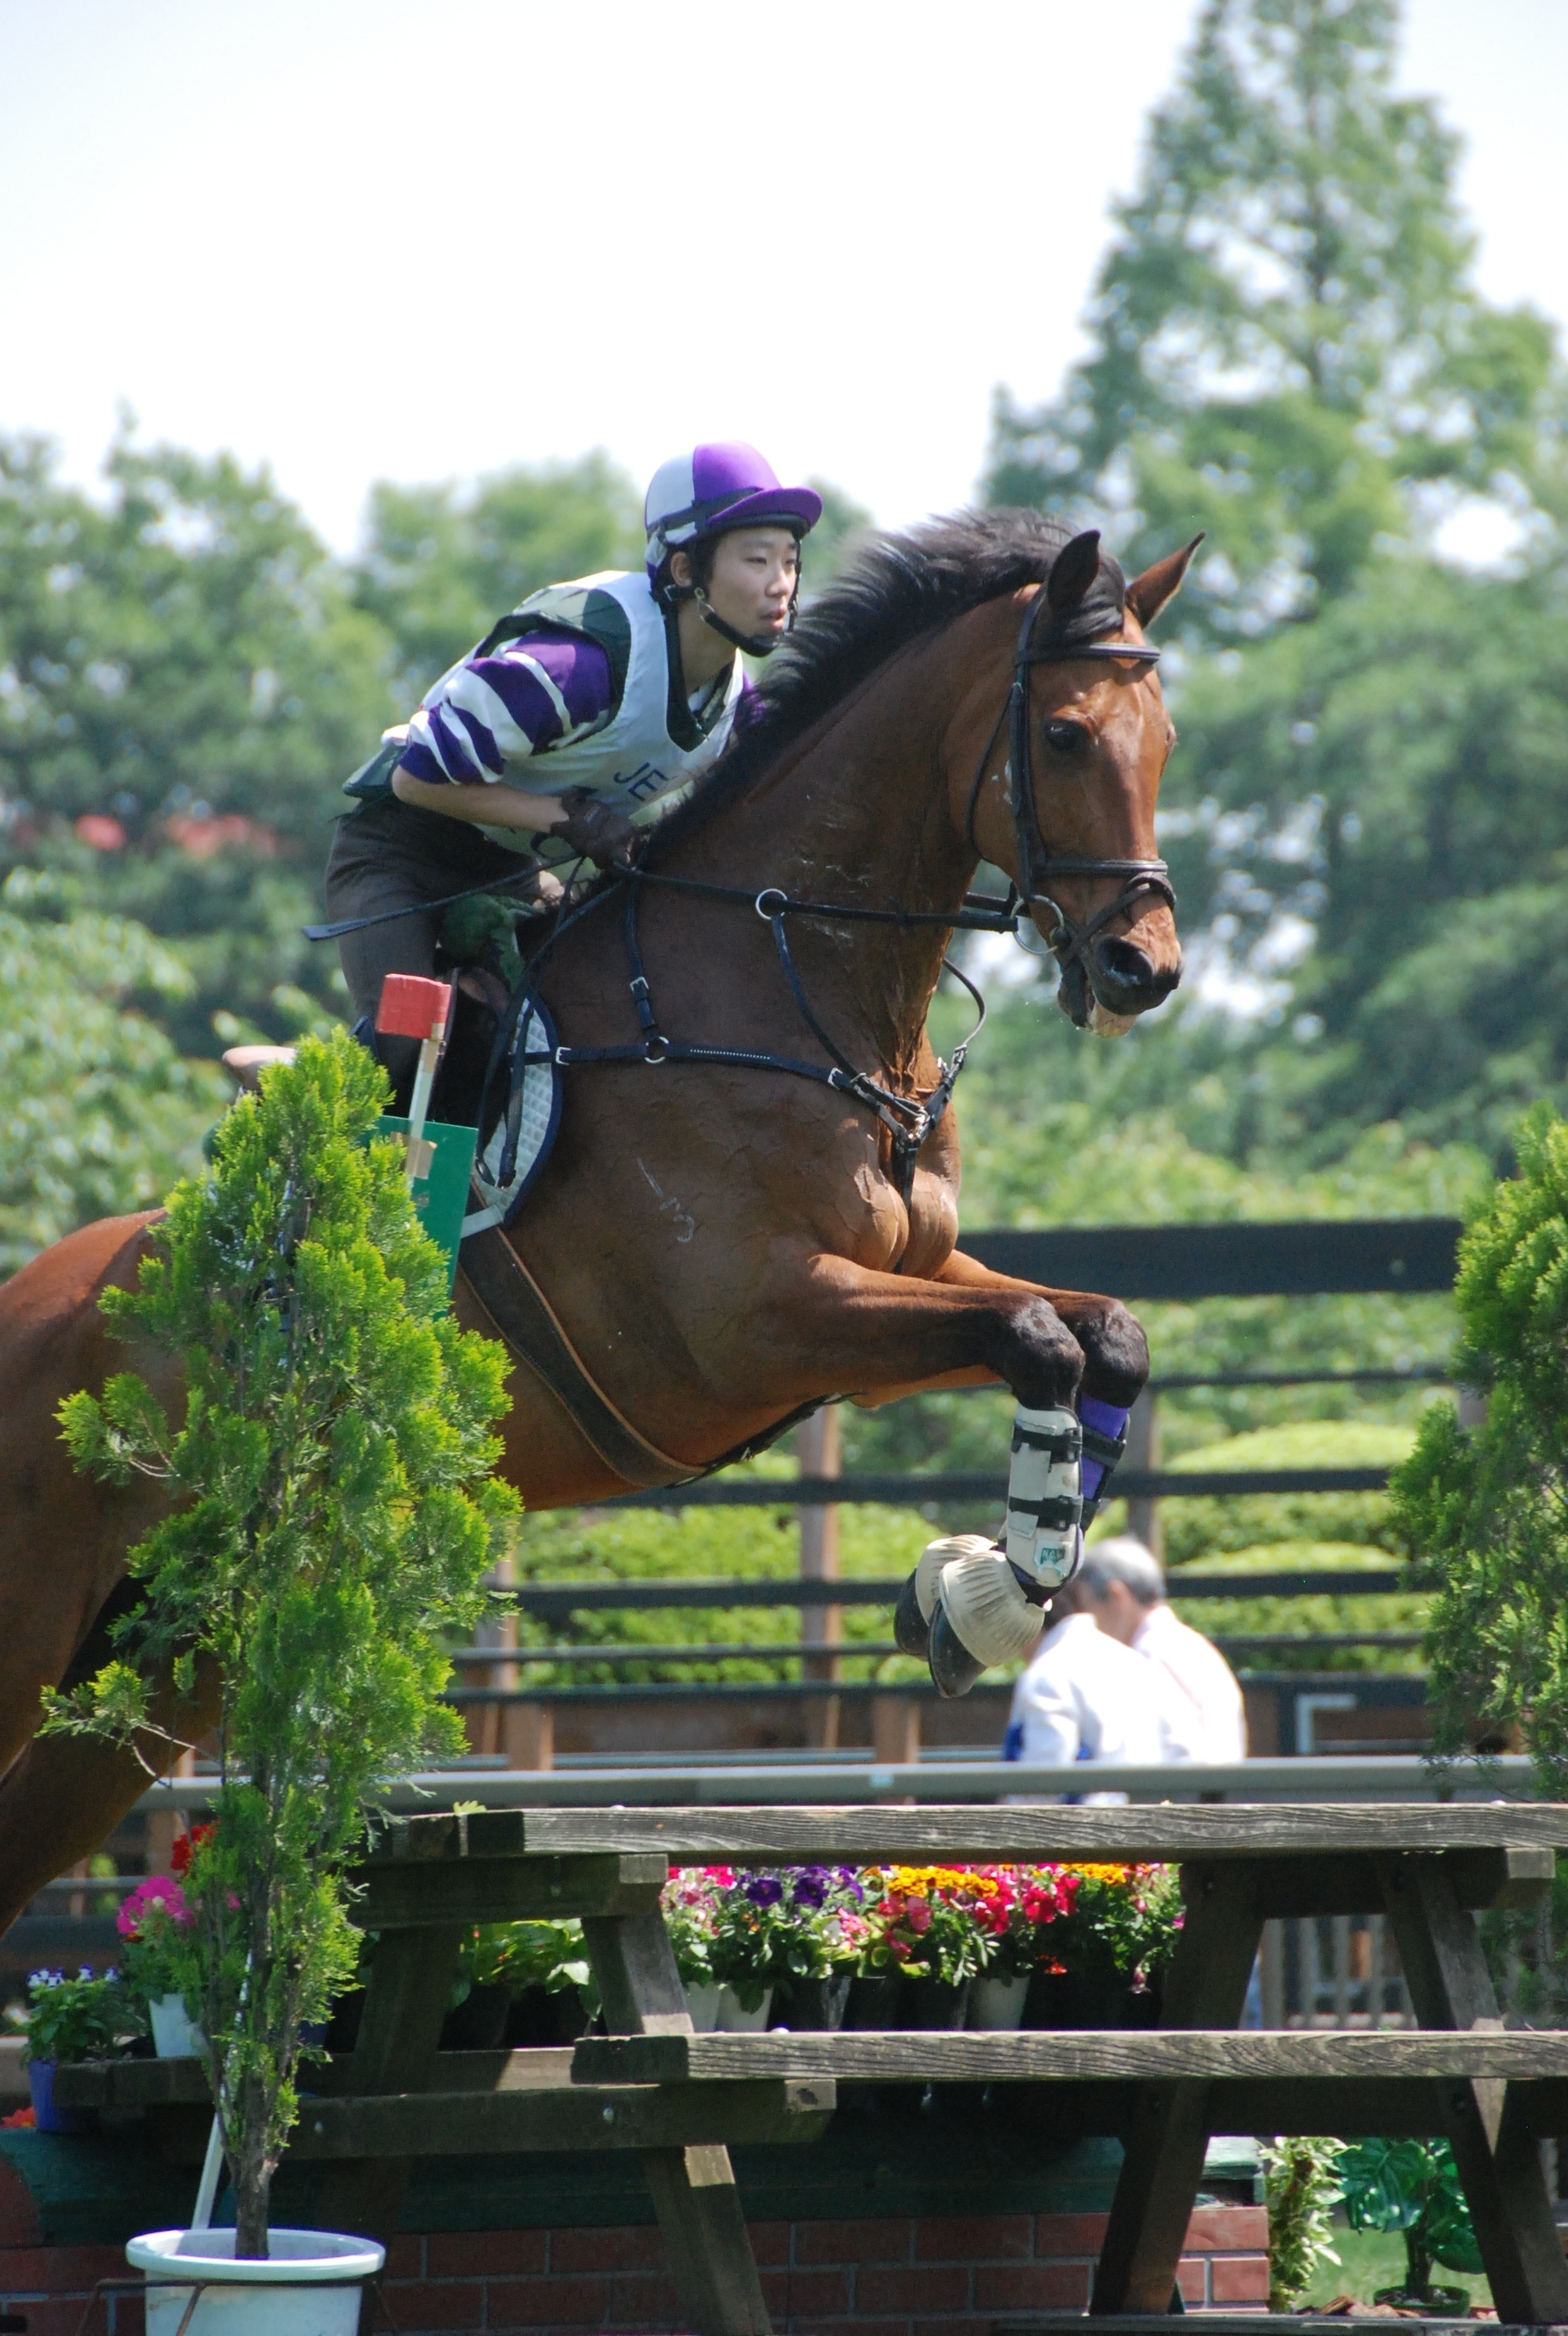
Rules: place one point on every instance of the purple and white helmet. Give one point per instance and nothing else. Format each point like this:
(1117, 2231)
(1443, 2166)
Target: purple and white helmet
(714, 488)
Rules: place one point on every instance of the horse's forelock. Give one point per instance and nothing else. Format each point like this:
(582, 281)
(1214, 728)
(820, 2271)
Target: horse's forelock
(896, 587)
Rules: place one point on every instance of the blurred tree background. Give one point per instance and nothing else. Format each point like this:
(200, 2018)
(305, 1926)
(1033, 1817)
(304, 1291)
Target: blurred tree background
(1365, 817)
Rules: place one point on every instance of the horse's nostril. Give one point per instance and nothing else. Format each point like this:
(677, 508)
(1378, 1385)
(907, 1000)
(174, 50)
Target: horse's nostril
(1124, 972)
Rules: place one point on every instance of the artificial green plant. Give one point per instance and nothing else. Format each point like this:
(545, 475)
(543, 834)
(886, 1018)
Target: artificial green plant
(330, 1509)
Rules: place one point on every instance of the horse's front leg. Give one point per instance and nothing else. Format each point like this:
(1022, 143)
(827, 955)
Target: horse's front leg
(1074, 1369)
(1110, 1337)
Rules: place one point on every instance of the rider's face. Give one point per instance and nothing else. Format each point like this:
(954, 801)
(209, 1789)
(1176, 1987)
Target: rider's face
(753, 576)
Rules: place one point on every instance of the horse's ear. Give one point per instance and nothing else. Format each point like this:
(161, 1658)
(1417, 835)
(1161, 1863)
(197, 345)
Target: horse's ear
(1072, 570)
(1147, 594)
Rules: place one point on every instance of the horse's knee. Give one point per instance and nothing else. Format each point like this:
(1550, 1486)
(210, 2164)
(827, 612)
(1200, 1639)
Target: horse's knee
(1044, 1361)
(1115, 1354)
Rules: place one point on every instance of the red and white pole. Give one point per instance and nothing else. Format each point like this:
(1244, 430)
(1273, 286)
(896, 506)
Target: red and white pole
(414, 1008)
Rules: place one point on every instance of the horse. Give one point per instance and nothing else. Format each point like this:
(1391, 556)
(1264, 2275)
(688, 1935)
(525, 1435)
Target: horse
(752, 1204)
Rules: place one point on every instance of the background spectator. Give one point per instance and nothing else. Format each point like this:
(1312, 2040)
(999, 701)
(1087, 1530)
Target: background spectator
(1124, 1590)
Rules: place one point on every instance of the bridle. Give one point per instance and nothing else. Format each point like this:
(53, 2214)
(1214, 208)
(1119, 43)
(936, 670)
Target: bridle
(1038, 865)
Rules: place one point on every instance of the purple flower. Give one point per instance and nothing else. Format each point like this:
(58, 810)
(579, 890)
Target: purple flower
(812, 1885)
(763, 1889)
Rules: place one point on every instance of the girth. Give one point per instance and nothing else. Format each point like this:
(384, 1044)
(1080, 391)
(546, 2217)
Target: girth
(526, 1323)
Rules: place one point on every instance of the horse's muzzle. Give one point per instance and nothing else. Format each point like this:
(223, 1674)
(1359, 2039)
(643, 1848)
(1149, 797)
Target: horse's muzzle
(1125, 977)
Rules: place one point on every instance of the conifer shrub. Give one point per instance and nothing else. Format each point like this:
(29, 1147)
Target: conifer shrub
(330, 1510)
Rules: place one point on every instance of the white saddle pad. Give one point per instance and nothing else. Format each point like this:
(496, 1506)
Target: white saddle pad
(533, 1110)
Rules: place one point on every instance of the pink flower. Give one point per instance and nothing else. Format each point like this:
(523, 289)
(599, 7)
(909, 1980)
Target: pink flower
(158, 1890)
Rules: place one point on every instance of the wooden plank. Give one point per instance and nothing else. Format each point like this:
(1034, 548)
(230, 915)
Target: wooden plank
(872, 1835)
(406, 1996)
(1351, 1883)
(407, 1895)
(1055, 2056)
(1164, 2150)
(1499, 2160)
(693, 2187)
(565, 2118)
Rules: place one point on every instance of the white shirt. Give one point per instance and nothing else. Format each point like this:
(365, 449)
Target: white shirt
(1205, 1715)
(1084, 1697)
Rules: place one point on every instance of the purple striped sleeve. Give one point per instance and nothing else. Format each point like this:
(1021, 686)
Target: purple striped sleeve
(536, 692)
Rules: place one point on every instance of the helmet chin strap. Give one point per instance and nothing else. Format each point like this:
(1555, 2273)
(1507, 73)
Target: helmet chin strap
(760, 645)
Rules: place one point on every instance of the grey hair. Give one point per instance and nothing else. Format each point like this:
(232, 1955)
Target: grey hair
(1122, 1558)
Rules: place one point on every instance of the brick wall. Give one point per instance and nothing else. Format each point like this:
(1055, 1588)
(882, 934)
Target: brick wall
(898, 2277)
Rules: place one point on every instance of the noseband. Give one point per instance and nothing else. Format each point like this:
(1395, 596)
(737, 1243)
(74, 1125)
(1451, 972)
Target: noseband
(1038, 866)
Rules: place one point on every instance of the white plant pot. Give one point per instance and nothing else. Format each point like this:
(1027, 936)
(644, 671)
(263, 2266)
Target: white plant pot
(997, 2002)
(703, 2003)
(175, 2036)
(734, 2018)
(308, 2286)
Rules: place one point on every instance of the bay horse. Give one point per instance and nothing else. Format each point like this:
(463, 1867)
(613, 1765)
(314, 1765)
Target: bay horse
(719, 1246)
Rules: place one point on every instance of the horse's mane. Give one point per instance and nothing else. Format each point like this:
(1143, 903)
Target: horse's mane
(898, 588)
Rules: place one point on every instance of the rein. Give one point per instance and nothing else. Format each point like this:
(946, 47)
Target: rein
(1037, 863)
(908, 1120)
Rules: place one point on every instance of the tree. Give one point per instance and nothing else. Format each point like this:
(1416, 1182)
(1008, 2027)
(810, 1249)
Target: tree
(442, 563)
(184, 681)
(330, 1510)
(1286, 349)
(1378, 796)
(100, 1114)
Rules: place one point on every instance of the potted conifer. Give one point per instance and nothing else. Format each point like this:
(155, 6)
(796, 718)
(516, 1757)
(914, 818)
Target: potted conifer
(330, 1510)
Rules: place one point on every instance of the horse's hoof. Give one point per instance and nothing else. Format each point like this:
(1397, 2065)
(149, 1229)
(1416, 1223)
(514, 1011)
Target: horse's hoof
(953, 1667)
(910, 1628)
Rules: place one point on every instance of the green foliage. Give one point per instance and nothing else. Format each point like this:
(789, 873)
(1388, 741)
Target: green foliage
(100, 1114)
(1483, 1507)
(1300, 2186)
(442, 563)
(519, 1955)
(1411, 2186)
(1364, 782)
(1285, 346)
(81, 2019)
(329, 1510)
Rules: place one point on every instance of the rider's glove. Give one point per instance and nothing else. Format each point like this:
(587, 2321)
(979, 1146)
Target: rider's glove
(597, 831)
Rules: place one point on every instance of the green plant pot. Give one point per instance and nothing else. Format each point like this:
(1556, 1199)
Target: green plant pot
(933, 2003)
(873, 2001)
(812, 2005)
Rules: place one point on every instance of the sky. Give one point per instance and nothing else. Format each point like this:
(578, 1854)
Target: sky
(422, 241)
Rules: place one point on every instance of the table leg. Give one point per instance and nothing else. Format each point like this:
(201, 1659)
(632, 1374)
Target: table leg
(1499, 2163)
(405, 2001)
(694, 2190)
(1169, 2135)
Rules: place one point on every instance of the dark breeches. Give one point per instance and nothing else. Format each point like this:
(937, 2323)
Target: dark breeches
(392, 855)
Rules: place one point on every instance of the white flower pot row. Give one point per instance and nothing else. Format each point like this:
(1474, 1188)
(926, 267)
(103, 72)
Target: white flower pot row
(993, 2003)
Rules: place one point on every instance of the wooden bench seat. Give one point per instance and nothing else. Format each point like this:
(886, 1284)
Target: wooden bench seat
(1047, 2056)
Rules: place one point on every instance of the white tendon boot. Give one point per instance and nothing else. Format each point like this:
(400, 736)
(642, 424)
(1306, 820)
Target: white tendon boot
(989, 1607)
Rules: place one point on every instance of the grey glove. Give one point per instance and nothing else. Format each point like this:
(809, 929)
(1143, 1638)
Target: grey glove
(598, 831)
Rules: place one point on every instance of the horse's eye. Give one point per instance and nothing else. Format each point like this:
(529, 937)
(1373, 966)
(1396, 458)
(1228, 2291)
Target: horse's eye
(1066, 737)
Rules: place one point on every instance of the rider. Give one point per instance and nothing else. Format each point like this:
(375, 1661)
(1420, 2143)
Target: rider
(573, 722)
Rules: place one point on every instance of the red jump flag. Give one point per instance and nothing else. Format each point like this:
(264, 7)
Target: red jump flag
(412, 1007)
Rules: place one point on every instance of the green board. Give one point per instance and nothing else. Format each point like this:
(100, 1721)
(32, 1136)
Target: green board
(441, 1198)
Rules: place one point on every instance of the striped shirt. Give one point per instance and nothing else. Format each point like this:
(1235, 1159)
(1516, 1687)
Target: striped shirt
(545, 690)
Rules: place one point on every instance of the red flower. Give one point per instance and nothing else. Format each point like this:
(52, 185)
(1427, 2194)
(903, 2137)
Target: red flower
(185, 1848)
